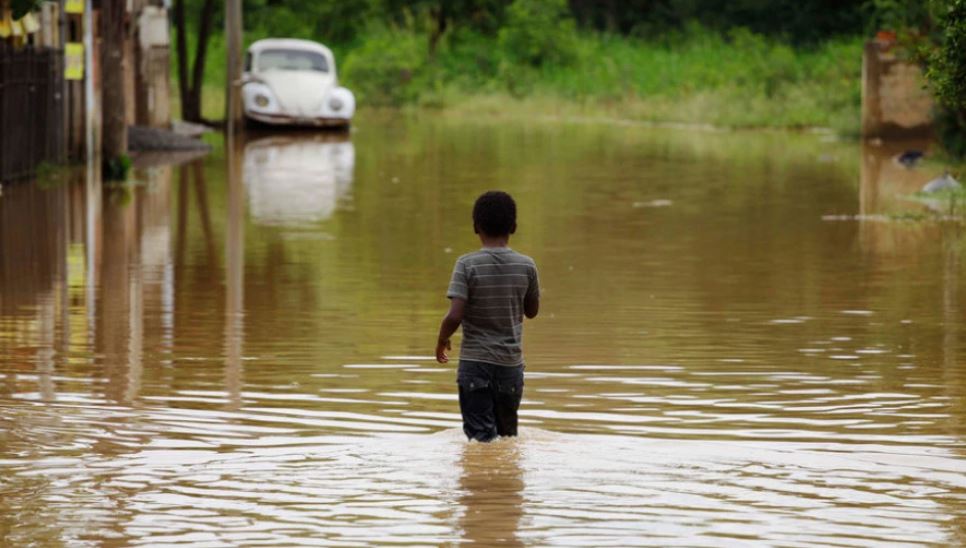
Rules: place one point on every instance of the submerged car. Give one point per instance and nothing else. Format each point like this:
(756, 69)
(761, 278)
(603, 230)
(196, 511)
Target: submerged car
(289, 82)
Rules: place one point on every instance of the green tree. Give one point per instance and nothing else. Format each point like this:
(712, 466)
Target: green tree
(947, 74)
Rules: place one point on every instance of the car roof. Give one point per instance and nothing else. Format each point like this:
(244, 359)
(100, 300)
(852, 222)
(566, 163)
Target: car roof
(288, 43)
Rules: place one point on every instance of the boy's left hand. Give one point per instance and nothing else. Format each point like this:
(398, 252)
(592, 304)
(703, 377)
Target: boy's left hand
(441, 348)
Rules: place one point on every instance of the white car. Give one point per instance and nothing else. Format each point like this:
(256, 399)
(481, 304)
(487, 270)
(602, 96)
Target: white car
(289, 82)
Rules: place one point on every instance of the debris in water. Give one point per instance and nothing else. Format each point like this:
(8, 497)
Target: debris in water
(910, 158)
(946, 182)
(880, 218)
(654, 203)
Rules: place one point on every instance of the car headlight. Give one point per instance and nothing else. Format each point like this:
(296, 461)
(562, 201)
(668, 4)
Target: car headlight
(261, 100)
(335, 104)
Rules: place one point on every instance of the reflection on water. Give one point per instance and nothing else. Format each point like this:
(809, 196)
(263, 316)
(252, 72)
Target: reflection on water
(491, 497)
(296, 179)
(235, 350)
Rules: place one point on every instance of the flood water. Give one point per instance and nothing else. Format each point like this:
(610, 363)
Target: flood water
(738, 345)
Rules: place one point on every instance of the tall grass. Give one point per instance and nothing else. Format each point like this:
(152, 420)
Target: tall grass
(737, 80)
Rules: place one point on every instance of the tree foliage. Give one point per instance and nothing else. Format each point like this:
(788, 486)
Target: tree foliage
(19, 8)
(947, 75)
(947, 63)
(797, 21)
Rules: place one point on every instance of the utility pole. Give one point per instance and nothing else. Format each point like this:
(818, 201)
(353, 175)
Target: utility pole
(233, 32)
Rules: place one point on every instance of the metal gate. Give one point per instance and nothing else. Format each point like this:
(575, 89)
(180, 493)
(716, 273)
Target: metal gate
(32, 102)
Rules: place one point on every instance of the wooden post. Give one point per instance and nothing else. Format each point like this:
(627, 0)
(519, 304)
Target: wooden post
(234, 271)
(49, 25)
(233, 32)
(92, 117)
(114, 109)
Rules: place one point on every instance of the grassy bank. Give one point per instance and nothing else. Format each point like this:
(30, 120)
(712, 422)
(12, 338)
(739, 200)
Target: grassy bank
(736, 80)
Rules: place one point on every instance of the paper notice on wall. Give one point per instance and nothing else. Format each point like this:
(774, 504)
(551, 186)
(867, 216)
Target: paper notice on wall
(31, 23)
(74, 61)
(6, 25)
(74, 6)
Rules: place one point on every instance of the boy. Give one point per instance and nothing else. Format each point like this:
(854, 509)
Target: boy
(490, 292)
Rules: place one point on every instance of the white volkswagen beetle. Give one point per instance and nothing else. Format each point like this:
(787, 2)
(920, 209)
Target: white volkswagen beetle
(289, 82)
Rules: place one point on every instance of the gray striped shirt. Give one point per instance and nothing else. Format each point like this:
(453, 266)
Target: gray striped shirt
(494, 282)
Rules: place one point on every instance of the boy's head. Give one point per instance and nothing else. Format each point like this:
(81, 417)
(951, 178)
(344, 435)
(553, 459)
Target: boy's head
(495, 214)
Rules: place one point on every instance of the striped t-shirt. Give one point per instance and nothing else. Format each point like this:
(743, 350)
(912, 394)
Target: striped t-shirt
(494, 282)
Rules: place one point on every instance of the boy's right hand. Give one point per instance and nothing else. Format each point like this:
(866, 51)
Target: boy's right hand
(441, 348)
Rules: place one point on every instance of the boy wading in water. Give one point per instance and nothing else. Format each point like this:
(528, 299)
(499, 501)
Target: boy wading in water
(491, 291)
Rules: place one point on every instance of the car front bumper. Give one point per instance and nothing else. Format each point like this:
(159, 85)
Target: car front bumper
(301, 121)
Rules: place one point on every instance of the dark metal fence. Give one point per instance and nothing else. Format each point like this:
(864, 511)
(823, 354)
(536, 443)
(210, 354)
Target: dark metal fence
(32, 102)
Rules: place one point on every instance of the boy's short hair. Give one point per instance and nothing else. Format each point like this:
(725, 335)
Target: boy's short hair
(495, 214)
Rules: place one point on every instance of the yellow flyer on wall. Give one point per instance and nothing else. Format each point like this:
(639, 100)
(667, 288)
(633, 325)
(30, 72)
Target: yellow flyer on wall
(74, 6)
(74, 61)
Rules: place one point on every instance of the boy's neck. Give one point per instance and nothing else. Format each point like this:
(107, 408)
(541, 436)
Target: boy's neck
(494, 241)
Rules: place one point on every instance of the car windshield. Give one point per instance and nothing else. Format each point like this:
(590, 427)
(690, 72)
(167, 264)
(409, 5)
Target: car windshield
(291, 59)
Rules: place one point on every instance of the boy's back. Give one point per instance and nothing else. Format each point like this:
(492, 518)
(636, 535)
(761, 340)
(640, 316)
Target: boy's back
(495, 282)
(490, 293)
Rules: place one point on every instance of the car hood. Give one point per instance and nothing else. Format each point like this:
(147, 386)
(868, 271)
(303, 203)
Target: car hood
(299, 93)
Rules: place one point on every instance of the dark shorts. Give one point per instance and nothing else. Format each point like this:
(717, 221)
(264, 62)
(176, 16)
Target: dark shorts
(489, 399)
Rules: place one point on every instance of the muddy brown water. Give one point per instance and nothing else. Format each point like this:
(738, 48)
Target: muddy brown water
(737, 345)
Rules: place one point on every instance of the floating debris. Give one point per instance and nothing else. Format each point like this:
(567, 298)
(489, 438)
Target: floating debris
(910, 158)
(876, 217)
(654, 203)
(946, 182)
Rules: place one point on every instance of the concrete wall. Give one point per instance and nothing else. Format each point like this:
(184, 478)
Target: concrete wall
(153, 59)
(895, 102)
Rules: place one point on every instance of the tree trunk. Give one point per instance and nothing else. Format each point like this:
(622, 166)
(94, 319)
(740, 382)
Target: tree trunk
(438, 15)
(114, 126)
(182, 47)
(201, 53)
(191, 88)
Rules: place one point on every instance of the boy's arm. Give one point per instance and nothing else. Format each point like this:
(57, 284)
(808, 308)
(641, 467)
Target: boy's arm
(450, 323)
(531, 301)
(531, 306)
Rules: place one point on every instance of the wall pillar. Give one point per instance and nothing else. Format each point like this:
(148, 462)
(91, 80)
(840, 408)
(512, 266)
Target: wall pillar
(895, 101)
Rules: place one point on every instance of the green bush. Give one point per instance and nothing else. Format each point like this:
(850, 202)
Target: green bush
(387, 66)
(538, 32)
